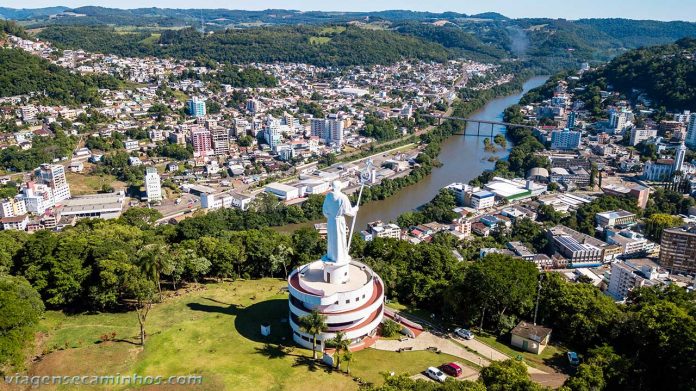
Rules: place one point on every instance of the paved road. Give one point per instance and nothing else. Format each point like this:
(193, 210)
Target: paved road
(426, 340)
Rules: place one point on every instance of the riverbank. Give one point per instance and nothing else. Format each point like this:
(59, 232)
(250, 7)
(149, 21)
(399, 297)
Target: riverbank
(463, 157)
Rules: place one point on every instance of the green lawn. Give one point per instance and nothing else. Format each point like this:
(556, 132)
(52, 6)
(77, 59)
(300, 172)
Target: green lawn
(213, 331)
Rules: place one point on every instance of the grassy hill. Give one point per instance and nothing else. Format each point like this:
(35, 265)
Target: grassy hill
(212, 331)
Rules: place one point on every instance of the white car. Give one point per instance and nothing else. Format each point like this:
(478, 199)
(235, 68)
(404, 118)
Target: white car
(464, 333)
(436, 374)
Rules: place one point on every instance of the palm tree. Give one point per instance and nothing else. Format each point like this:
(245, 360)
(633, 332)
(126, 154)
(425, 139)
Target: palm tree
(152, 261)
(314, 323)
(348, 358)
(341, 344)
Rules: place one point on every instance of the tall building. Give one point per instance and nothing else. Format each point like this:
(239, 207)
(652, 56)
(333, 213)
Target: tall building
(273, 131)
(329, 129)
(570, 124)
(196, 107)
(153, 187)
(691, 131)
(202, 142)
(679, 156)
(565, 139)
(221, 140)
(678, 249)
(53, 176)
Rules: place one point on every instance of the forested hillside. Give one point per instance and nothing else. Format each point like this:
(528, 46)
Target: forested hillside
(22, 73)
(667, 74)
(333, 45)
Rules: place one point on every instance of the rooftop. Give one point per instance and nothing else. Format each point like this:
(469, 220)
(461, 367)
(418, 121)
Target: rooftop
(312, 277)
(530, 331)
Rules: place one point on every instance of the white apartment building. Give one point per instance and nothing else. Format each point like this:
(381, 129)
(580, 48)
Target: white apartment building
(625, 276)
(153, 186)
(691, 132)
(329, 129)
(53, 175)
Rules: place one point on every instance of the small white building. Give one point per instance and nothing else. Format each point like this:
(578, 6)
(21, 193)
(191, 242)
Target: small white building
(283, 191)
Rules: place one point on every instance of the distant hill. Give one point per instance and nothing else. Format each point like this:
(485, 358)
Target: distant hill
(29, 13)
(667, 74)
(326, 46)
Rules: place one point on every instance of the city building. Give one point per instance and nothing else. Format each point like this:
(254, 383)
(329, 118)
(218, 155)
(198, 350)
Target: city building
(202, 142)
(378, 229)
(11, 207)
(97, 206)
(53, 176)
(282, 191)
(640, 193)
(482, 200)
(570, 123)
(221, 140)
(196, 107)
(614, 218)
(15, 222)
(640, 135)
(678, 249)
(691, 132)
(625, 276)
(579, 249)
(565, 139)
(632, 243)
(659, 170)
(153, 186)
(329, 129)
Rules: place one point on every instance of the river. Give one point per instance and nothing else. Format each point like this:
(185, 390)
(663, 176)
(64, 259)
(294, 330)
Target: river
(463, 158)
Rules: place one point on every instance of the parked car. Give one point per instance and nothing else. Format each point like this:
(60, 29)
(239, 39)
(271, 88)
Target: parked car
(464, 333)
(452, 369)
(573, 359)
(436, 374)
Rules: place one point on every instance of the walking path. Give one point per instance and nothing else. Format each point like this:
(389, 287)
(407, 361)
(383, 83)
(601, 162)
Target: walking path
(479, 353)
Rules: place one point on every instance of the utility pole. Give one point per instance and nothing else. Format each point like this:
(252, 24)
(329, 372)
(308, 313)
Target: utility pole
(536, 307)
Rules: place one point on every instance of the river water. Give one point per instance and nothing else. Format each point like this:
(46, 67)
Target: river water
(463, 158)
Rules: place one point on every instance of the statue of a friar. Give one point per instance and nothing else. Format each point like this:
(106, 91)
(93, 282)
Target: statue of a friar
(336, 206)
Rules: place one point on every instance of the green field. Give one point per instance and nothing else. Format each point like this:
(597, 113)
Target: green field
(319, 40)
(551, 355)
(213, 331)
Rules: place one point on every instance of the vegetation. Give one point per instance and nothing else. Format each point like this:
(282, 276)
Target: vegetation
(664, 73)
(352, 46)
(22, 73)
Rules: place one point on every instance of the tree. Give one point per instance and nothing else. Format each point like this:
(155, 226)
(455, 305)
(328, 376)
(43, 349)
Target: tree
(390, 328)
(281, 258)
(340, 344)
(507, 375)
(142, 218)
(152, 260)
(314, 323)
(21, 308)
(493, 289)
(655, 224)
(348, 358)
(141, 291)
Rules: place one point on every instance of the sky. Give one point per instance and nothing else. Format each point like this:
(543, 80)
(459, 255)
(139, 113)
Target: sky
(633, 9)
